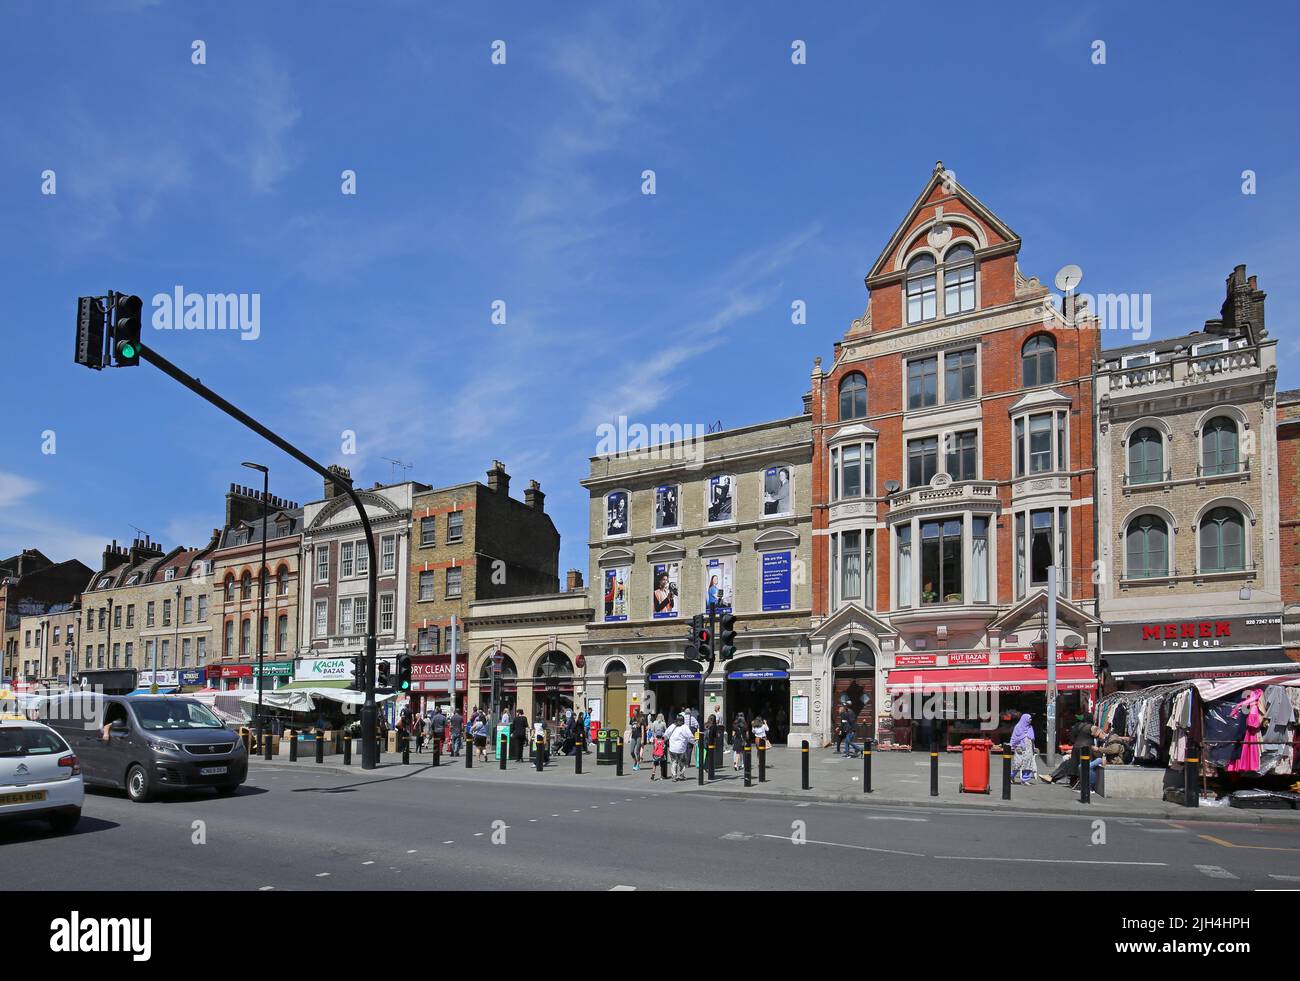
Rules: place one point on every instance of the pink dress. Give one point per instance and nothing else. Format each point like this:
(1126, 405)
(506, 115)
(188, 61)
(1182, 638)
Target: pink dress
(1248, 761)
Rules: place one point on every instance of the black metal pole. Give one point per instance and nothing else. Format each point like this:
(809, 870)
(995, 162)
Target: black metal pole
(437, 747)
(934, 769)
(711, 762)
(1191, 771)
(538, 758)
(804, 754)
(1085, 775)
(577, 755)
(503, 750)
(699, 759)
(347, 750)
(266, 745)
(663, 765)
(320, 746)
(369, 742)
(1006, 772)
(262, 580)
(866, 766)
(618, 769)
(469, 743)
(293, 745)
(748, 762)
(762, 765)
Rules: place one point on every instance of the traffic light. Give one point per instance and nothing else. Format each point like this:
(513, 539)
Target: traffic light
(90, 332)
(125, 332)
(404, 672)
(358, 682)
(693, 637)
(384, 681)
(702, 638)
(727, 639)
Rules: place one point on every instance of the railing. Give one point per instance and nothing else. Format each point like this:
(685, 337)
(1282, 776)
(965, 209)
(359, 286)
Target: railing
(1185, 369)
(967, 490)
(1239, 467)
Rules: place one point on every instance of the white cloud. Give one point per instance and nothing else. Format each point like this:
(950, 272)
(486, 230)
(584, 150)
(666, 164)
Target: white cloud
(14, 488)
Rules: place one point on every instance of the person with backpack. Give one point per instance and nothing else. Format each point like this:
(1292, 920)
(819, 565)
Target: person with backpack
(658, 752)
(479, 733)
(680, 741)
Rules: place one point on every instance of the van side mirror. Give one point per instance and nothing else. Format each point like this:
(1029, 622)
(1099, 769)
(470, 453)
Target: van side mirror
(119, 725)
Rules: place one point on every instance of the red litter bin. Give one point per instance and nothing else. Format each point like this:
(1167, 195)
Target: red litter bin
(975, 766)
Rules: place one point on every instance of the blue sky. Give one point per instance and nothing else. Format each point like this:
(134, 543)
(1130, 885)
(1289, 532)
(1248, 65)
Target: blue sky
(522, 182)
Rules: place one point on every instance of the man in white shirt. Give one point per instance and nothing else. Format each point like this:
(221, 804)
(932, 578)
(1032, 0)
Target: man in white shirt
(680, 741)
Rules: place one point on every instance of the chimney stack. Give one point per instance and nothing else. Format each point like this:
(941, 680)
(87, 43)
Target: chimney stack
(1243, 306)
(573, 581)
(332, 489)
(498, 480)
(534, 497)
(114, 555)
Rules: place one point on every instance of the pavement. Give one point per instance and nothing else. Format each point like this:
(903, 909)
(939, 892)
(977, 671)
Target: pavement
(303, 827)
(898, 779)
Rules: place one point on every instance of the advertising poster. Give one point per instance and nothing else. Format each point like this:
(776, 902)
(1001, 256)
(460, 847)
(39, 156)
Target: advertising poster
(776, 580)
(616, 593)
(720, 503)
(719, 579)
(778, 493)
(616, 514)
(666, 506)
(667, 588)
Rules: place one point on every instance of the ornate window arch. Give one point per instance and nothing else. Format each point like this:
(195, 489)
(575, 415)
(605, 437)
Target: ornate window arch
(1148, 544)
(853, 396)
(959, 279)
(1038, 361)
(1222, 536)
(1146, 456)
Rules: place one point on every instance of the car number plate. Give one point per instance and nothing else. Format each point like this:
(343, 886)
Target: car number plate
(212, 771)
(29, 797)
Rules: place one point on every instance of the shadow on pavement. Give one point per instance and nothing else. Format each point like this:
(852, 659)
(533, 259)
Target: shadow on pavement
(20, 832)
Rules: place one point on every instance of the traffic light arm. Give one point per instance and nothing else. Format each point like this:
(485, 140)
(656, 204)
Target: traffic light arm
(369, 756)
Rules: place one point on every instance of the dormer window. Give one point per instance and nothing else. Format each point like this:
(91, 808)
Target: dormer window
(921, 290)
(959, 279)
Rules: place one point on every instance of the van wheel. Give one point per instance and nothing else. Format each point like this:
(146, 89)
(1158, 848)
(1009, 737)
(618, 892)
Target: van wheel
(65, 821)
(138, 785)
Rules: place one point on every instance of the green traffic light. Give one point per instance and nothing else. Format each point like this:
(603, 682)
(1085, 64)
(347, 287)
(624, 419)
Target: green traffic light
(128, 349)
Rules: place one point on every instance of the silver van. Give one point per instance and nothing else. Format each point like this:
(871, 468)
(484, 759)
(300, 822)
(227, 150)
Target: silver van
(145, 744)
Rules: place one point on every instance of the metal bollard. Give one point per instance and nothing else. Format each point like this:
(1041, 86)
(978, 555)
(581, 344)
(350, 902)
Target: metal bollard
(539, 747)
(1191, 768)
(293, 745)
(700, 763)
(577, 756)
(618, 763)
(1085, 775)
(748, 781)
(663, 766)
(406, 752)
(503, 751)
(1006, 772)
(267, 741)
(437, 752)
(762, 765)
(347, 750)
(866, 766)
(711, 763)
(469, 751)
(934, 769)
(320, 747)
(804, 754)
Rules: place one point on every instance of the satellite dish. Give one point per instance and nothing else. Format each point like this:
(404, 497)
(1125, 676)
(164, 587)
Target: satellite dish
(1068, 278)
(892, 486)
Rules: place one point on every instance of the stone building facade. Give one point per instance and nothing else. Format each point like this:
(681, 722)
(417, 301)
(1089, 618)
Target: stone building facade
(952, 469)
(725, 516)
(1188, 514)
(1288, 503)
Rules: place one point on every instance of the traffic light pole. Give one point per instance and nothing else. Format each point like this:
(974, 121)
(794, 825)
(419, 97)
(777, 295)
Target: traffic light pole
(369, 747)
(708, 666)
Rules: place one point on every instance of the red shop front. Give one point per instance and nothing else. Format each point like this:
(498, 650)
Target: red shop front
(225, 677)
(429, 680)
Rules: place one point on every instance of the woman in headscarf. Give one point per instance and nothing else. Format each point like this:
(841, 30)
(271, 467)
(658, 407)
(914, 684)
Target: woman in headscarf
(1025, 761)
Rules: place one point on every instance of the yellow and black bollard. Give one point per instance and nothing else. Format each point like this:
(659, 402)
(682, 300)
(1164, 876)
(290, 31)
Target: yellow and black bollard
(866, 766)
(934, 769)
(748, 781)
(804, 753)
(1085, 775)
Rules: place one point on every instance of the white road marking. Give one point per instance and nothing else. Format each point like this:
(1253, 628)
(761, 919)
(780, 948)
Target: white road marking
(839, 844)
(321, 875)
(624, 889)
(368, 863)
(1165, 831)
(449, 842)
(532, 820)
(555, 815)
(410, 851)
(478, 834)
(1214, 871)
(879, 818)
(1040, 861)
(736, 836)
(265, 888)
(1284, 878)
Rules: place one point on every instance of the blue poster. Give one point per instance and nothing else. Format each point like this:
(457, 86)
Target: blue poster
(776, 580)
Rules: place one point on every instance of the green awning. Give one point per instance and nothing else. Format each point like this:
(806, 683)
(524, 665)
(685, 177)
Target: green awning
(290, 686)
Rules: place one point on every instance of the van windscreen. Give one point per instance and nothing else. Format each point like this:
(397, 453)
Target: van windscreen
(167, 714)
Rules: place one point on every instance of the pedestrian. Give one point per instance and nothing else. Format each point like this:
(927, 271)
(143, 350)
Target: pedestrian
(1024, 762)
(417, 726)
(656, 755)
(849, 725)
(739, 736)
(680, 741)
(479, 733)
(457, 727)
(518, 734)
(437, 727)
(1080, 736)
(760, 733)
(634, 734)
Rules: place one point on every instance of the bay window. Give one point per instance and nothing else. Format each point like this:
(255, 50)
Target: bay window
(852, 471)
(941, 561)
(1042, 541)
(1041, 443)
(903, 580)
(851, 567)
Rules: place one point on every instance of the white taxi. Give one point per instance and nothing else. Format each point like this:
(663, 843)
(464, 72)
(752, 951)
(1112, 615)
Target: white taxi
(39, 776)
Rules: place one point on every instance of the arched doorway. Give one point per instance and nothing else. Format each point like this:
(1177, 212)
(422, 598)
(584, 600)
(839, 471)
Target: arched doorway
(615, 695)
(498, 690)
(853, 684)
(552, 686)
(671, 686)
(759, 684)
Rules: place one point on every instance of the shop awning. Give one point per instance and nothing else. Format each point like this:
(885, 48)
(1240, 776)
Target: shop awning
(299, 685)
(1069, 677)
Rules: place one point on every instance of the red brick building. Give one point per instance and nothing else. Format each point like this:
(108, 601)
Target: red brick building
(952, 467)
(1288, 502)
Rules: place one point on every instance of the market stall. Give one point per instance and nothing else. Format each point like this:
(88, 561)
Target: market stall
(1244, 732)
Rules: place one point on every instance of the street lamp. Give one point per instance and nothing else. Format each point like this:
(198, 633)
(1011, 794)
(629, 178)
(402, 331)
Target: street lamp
(262, 579)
